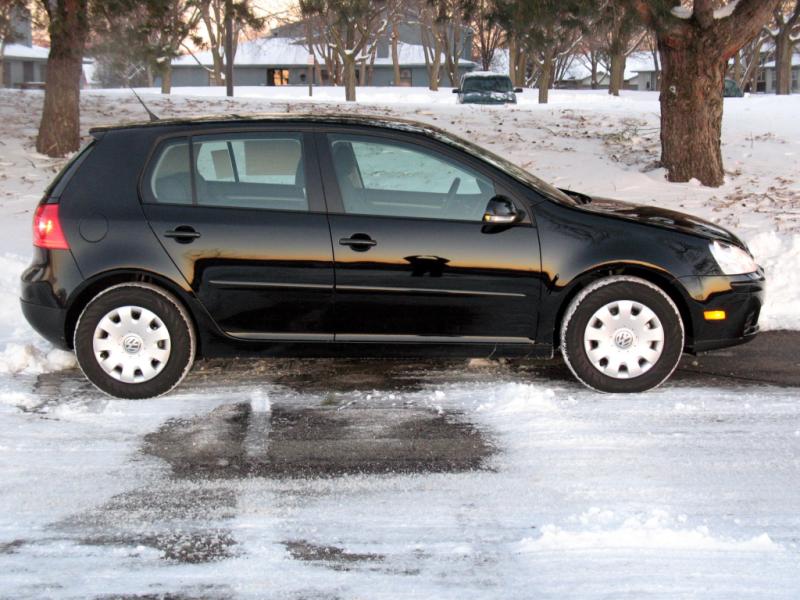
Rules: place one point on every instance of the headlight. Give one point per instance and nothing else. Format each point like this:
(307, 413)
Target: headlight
(732, 260)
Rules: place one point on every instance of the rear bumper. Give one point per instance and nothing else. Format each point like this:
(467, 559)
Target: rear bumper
(48, 322)
(740, 296)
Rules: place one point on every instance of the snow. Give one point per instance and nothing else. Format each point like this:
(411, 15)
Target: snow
(21, 51)
(727, 10)
(624, 497)
(682, 12)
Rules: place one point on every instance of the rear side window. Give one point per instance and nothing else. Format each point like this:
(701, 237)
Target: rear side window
(262, 171)
(171, 181)
(59, 183)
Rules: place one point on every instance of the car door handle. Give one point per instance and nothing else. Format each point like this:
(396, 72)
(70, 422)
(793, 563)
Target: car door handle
(358, 242)
(183, 234)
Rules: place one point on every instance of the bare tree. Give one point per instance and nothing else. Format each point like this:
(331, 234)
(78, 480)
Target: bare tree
(431, 43)
(695, 46)
(785, 33)
(488, 35)
(59, 130)
(212, 15)
(623, 34)
(353, 26)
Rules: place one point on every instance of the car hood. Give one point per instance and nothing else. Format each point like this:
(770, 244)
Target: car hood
(659, 217)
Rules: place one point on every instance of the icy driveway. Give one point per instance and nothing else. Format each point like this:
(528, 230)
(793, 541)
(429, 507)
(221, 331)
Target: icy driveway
(387, 480)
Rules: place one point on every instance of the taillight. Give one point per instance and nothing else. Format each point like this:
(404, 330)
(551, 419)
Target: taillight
(47, 232)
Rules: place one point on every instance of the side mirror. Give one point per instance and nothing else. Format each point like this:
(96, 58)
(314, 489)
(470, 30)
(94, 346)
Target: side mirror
(518, 90)
(456, 90)
(501, 211)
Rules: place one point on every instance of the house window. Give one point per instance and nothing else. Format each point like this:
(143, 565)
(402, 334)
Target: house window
(795, 79)
(277, 76)
(27, 71)
(405, 78)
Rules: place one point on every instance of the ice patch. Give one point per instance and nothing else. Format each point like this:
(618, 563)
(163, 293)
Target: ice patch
(656, 530)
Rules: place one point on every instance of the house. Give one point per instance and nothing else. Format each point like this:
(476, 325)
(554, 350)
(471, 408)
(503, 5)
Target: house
(639, 73)
(282, 59)
(767, 75)
(24, 65)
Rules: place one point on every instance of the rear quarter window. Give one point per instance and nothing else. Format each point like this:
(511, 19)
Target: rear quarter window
(59, 183)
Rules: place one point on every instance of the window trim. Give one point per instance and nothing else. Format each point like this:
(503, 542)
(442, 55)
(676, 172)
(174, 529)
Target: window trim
(333, 195)
(314, 190)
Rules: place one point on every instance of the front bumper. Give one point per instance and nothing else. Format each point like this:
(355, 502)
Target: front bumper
(740, 296)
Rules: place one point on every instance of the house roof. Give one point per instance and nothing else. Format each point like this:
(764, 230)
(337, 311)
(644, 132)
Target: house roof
(579, 69)
(795, 62)
(289, 52)
(26, 52)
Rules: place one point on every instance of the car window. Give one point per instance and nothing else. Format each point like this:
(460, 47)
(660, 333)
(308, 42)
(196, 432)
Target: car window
(390, 178)
(251, 171)
(486, 84)
(171, 181)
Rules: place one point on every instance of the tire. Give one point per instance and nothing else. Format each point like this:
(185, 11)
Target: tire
(135, 341)
(626, 352)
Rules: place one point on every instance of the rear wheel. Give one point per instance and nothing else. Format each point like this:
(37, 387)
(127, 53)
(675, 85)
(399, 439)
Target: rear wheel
(622, 334)
(134, 340)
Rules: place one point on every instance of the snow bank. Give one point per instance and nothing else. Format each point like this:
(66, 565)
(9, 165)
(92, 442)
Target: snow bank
(780, 257)
(21, 350)
(656, 530)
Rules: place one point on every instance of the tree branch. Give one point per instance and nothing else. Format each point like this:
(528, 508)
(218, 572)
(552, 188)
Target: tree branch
(743, 24)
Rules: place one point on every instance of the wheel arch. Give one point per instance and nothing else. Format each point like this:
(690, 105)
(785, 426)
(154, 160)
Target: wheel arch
(105, 280)
(665, 282)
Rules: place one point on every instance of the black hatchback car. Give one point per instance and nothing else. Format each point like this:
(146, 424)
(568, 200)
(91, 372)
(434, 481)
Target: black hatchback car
(357, 236)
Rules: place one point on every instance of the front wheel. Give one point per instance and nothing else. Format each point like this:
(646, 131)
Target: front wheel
(134, 340)
(622, 334)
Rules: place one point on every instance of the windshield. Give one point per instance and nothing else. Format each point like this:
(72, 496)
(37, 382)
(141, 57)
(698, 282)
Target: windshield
(487, 84)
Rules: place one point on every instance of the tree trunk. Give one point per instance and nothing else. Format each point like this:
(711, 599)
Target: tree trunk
(691, 98)
(617, 76)
(166, 78)
(595, 85)
(395, 54)
(783, 63)
(349, 77)
(59, 130)
(2, 64)
(546, 77)
(362, 72)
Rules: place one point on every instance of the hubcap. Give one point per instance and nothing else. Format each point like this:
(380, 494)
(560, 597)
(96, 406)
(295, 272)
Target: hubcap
(624, 339)
(131, 344)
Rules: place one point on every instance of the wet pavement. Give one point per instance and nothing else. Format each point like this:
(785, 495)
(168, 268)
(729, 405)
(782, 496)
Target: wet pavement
(226, 473)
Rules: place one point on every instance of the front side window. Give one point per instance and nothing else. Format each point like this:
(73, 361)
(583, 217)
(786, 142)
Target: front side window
(264, 171)
(388, 178)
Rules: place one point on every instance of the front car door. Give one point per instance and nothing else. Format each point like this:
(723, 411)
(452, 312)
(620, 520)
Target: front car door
(242, 215)
(414, 262)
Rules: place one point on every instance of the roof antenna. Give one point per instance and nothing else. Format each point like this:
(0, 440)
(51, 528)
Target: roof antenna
(150, 113)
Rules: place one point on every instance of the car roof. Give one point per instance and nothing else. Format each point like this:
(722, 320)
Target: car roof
(286, 117)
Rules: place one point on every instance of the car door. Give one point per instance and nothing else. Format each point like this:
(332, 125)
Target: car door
(242, 216)
(414, 261)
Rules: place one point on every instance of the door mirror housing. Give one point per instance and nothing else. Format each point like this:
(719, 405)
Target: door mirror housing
(517, 90)
(501, 211)
(456, 90)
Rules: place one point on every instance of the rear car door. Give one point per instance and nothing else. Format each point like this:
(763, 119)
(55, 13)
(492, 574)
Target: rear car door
(242, 215)
(414, 262)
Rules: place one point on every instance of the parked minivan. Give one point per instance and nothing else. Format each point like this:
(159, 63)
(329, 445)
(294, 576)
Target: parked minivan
(343, 235)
